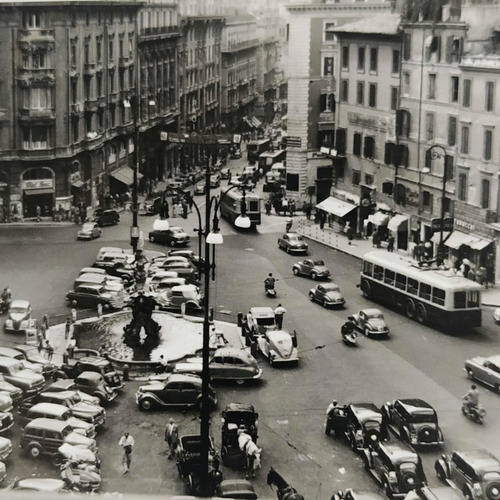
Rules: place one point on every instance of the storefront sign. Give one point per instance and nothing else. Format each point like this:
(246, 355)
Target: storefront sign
(447, 224)
(38, 184)
(368, 121)
(465, 225)
(294, 142)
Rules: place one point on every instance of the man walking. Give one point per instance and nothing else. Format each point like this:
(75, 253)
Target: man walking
(172, 437)
(49, 349)
(278, 315)
(127, 443)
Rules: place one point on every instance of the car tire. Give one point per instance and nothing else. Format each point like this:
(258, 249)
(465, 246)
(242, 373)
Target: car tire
(440, 474)
(366, 289)
(314, 276)
(493, 491)
(287, 249)
(34, 451)
(327, 429)
(410, 309)
(470, 374)
(324, 304)
(74, 303)
(366, 331)
(311, 296)
(146, 404)
(172, 243)
(421, 313)
(152, 239)
(467, 493)
(388, 491)
(295, 271)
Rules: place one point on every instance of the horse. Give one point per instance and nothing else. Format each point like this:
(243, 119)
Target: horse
(252, 453)
(284, 491)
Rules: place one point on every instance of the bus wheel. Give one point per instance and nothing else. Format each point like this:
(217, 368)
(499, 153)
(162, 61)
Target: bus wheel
(366, 289)
(421, 314)
(410, 309)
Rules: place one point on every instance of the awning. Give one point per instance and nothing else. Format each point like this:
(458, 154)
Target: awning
(457, 239)
(396, 222)
(384, 206)
(335, 206)
(248, 122)
(125, 175)
(257, 123)
(29, 192)
(436, 237)
(378, 219)
(77, 184)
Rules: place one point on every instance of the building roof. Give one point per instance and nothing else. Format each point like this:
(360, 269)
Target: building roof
(383, 24)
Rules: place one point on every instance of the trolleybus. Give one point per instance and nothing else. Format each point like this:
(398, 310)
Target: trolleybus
(269, 158)
(432, 296)
(231, 202)
(256, 148)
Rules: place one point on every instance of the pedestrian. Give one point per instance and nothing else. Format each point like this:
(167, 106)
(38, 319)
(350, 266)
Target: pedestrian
(291, 207)
(127, 443)
(278, 316)
(99, 310)
(71, 347)
(322, 219)
(45, 321)
(289, 223)
(268, 207)
(74, 316)
(43, 331)
(390, 243)
(376, 239)
(49, 349)
(40, 339)
(67, 327)
(308, 210)
(284, 205)
(38, 213)
(172, 438)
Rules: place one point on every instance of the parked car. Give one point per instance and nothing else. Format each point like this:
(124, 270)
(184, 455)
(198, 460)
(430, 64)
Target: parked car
(6, 419)
(327, 294)
(278, 346)
(396, 467)
(183, 270)
(44, 436)
(38, 484)
(91, 295)
(97, 364)
(178, 295)
(214, 180)
(11, 390)
(362, 424)
(175, 236)
(159, 275)
(260, 319)
(236, 489)
(485, 369)
(67, 384)
(19, 318)
(371, 322)
(200, 189)
(100, 272)
(414, 420)
(189, 254)
(8, 352)
(89, 231)
(105, 250)
(117, 264)
(107, 217)
(475, 473)
(5, 448)
(434, 493)
(313, 268)
(99, 279)
(152, 206)
(93, 383)
(14, 373)
(6, 402)
(168, 283)
(293, 242)
(225, 173)
(32, 355)
(176, 390)
(3, 472)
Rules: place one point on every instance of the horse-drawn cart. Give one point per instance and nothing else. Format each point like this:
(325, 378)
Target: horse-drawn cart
(189, 463)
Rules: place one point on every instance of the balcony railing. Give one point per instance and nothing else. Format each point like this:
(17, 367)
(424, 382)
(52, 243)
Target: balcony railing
(27, 114)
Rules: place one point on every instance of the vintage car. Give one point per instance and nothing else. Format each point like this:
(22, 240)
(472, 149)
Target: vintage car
(93, 383)
(236, 489)
(260, 319)
(156, 275)
(5, 447)
(13, 372)
(175, 236)
(67, 384)
(152, 206)
(107, 217)
(3, 471)
(371, 322)
(183, 270)
(396, 467)
(293, 242)
(89, 231)
(314, 268)
(8, 352)
(414, 420)
(19, 319)
(11, 390)
(189, 254)
(90, 295)
(485, 370)
(475, 473)
(31, 354)
(225, 173)
(434, 493)
(6, 402)
(327, 294)
(6, 419)
(175, 390)
(278, 346)
(168, 283)
(362, 424)
(110, 285)
(38, 484)
(180, 296)
(104, 250)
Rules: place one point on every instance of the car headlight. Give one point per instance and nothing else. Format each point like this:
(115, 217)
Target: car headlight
(392, 476)
(8, 322)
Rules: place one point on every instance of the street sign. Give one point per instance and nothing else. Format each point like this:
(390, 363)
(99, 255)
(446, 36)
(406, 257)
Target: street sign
(447, 224)
(293, 142)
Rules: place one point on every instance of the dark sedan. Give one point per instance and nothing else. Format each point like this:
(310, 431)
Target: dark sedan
(327, 294)
(175, 236)
(315, 269)
(293, 242)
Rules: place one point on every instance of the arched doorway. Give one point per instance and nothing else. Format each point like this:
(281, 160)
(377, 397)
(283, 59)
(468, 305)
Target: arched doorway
(38, 191)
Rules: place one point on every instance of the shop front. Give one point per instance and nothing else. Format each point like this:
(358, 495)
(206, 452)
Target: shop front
(38, 191)
(121, 179)
(339, 214)
(398, 226)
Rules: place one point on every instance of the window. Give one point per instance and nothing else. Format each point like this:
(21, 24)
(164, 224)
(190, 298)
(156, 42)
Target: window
(369, 150)
(489, 96)
(425, 291)
(433, 48)
(32, 20)
(401, 281)
(329, 37)
(406, 83)
(99, 84)
(395, 61)
(487, 144)
(464, 140)
(432, 86)
(361, 58)
(374, 59)
(367, 268)
(400, 194)
(73, 53)
(438, 296)
(454, 88)
(452, 130)
(99, 50)
(344, 90)
(394, 98)
(372, 95)
(429, 126)
(406, 46)
(292, 182)
(403, 120)
(485, 193)
(466, 93)
(356, 144)
(388, 188)
(345, 57)
(38, 59)
(39, 98)
(35, 138)
(111, 50)
(389, 277)
(327, 66)
(412, 286)
(427, 201)
(360, 93)
(378, 272)
(356, 177)
(462, 187)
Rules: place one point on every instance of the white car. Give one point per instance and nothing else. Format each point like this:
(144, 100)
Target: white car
(19, 319)
(278, 346)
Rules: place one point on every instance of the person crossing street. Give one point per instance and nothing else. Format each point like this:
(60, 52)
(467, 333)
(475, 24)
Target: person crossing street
(278, 316)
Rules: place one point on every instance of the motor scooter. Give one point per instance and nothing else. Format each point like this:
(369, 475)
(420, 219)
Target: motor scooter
(475, 413)
(78, 478)
(270, 291)
(350, 339)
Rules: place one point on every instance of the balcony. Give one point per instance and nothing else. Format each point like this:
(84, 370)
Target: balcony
(89, 68)
(91, 104)
(77, 108)
(125, 62)
(27, 115)
(36, 36)
(160, 32)
(92, 140)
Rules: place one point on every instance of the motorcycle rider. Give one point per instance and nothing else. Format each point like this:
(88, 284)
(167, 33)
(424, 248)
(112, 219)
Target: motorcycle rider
(471, 399)
(269, 282)
(348, 329)
(7, 295)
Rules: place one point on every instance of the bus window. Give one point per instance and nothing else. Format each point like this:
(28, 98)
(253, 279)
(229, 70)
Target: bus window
(389, 277)
(412, 286)
(438, 296)
(368, 268)
(378, 273)
(401, 281)
(460, 301)
(473, 299)
(425, 291)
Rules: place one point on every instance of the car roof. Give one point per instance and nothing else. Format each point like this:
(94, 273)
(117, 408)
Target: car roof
(493, 359)
(231, 351)
(366, 411)
(111, 249)
(95, 360)
(439, 493)
(412, 404)
(96, 286)
(20, 303)
(92, 270)
(237, 488)
(480, 459)
(243, 407)
(53, 408)
(58, 394)
(4, 360)
(399, 452)
(49, 423)
(90, 375)
(8, 351)
(278, 334)
(262, 312)
(371, 310)
(329, 286)
(184, 377)
(184, 288)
